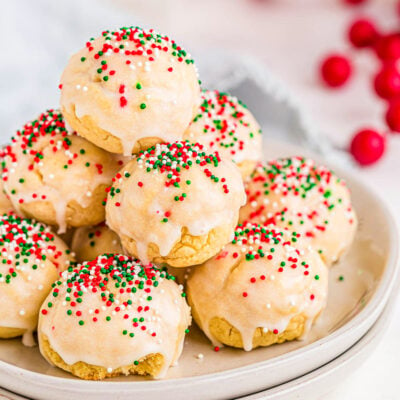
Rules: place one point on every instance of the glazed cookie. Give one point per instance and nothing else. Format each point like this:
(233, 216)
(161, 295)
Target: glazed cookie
(56, 177)
(130, 89)
(32, 258)
(224, 124)
(113, 316)
(176, 204)
(265, 287)
(88, 242)
(306, 197)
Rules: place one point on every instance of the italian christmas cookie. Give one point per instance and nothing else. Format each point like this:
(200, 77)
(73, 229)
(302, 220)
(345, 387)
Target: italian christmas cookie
(55, 176)
(265, 287)
(130, 89)
(306, 197)
(176, 204)
(224, 124)
(114, 316)
(88, 242)
(32, 258)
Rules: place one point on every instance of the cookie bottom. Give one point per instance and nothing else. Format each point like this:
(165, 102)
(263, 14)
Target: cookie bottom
(189, 250)
(149, 365)
(9, 333)
(227, 334)
(88, 129)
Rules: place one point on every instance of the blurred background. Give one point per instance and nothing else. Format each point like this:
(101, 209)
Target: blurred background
(289, 37)
(266, 51)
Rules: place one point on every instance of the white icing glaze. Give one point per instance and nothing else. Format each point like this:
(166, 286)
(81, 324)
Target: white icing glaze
(102, 343)
(252, 294)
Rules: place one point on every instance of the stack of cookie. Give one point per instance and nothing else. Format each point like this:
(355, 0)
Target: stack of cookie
(146, 177)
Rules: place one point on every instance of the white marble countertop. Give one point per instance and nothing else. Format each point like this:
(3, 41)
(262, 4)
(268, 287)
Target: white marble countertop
(289, 36)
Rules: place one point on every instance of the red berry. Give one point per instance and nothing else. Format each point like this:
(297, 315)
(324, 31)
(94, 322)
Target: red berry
(387, 83)
(367, 146)
(388, 47)
(393, 116)
(362, 33)
(335, 70)
(354, 2)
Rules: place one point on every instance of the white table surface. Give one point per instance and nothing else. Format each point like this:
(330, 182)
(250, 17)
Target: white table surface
(289, 36)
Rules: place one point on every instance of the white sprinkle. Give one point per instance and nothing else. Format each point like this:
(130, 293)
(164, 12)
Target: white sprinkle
(200, 356)
(22, 312)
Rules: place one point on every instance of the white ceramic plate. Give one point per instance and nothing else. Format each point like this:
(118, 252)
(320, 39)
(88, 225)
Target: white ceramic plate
(321, 381)
(355, 303)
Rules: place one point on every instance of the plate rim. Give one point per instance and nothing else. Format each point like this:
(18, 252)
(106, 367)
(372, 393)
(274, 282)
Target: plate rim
(372, 336)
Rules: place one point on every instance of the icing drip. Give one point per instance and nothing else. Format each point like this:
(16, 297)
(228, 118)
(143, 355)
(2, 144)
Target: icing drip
(28, 340)
(263, 279)
(117, 312)
(169, 188)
